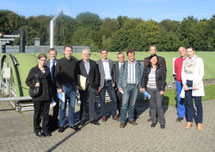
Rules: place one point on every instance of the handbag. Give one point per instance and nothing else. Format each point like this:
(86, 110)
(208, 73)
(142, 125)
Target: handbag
(35, 91)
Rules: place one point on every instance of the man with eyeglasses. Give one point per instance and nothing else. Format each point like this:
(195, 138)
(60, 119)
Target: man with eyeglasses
(51, 63)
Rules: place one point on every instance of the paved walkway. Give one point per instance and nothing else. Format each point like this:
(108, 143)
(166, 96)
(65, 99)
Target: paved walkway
(16, 134)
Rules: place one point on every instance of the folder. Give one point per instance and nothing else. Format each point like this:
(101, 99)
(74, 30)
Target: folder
(61, 96)
(82, 82)
(147, 95)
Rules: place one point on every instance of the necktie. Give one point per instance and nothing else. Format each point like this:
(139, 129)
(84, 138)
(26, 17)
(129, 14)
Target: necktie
(53, 70)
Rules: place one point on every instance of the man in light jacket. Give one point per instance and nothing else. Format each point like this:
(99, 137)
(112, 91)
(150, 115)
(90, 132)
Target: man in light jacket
(129, 84)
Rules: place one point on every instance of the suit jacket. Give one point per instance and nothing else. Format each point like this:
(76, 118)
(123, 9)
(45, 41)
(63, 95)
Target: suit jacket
(93, 76)
(48, 65)
(102, 72)
(116, 73)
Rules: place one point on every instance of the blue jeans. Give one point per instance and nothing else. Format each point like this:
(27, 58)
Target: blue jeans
(108, 86)
(128, 102)
(189, 107)
(70, 93)
(180, 101)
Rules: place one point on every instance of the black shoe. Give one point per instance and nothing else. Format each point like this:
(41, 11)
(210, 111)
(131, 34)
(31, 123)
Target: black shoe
(162, 126)
(153, 124)
(82, 123)
(40, 134)
(48, 134)
(179, 119)
(61, 129)
(74, 128)
(95, 122)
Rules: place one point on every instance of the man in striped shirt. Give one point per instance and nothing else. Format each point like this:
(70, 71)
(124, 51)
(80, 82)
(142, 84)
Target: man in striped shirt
(129, 82)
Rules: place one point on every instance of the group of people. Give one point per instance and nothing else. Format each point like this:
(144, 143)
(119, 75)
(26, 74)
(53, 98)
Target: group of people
(122, 80)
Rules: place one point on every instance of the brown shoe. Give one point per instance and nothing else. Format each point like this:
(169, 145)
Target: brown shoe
(122, 125)
(116, 118)
(189, 124)
(199, 127)
(149, 120)
(104, 118)
(132, 122)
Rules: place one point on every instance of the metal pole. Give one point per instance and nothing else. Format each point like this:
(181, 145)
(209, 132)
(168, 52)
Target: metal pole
(15, 99)
(52, 26)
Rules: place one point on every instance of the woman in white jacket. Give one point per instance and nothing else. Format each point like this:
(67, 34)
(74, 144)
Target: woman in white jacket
(192, 79)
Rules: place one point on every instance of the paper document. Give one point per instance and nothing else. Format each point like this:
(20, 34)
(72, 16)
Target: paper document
(61, 96)
(190, 88)
(147, 95)
(53, 103)
(82, 82)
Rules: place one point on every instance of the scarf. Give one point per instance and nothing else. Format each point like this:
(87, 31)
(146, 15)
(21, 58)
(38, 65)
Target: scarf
(190, 64)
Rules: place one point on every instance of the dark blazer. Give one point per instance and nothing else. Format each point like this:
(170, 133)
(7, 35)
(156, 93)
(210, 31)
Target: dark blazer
(93, 76)
(48, 65)
(116, 73)
(45, 82)
(160, 77)
(161, 62)
(102, 72)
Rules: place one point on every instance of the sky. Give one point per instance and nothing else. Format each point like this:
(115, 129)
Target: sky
(157, 10)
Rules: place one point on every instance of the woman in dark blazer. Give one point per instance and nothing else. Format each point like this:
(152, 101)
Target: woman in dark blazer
(154, 82)
(42, 101)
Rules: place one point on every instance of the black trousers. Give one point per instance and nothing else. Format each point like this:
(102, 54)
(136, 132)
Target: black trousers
(88, 100)
(119, 99)
(41, 108)
(56, 111)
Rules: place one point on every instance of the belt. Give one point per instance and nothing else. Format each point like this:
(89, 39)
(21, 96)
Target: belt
(131, 83)
(108, 80)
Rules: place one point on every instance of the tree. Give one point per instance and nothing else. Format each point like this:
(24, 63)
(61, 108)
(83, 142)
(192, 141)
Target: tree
(187, 31)
(144, 35)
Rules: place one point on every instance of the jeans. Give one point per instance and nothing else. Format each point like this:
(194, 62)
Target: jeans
(108, 86)
(128, 102)
(88, 100)
(70, 93)
(189, 107)
(156, 107)
(180, 101)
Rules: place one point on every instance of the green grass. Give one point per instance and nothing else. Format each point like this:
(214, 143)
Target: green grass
(170, 95)
(27, 61)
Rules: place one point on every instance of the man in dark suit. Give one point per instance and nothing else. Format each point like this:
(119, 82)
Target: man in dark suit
(161, 62)
(89, 69)
(117, 66)
(51, 63)
(106, 70)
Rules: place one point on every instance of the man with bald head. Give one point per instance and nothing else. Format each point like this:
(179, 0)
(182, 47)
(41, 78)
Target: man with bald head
(152, 51)
(178, 68)
(89, 69)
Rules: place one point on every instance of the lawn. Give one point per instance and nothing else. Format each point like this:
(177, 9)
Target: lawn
(170, 95)
(27, 61)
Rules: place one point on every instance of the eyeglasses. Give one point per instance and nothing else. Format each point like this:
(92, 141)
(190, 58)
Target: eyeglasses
(43, 60)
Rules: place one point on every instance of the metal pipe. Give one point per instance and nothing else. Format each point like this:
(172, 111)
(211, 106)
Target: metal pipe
(52, 26)
(15, 99)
